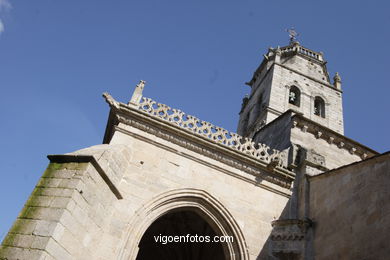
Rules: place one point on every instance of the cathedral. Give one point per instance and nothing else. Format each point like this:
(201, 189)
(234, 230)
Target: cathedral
(287, 185)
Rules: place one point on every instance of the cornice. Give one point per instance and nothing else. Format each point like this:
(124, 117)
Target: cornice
(213, 155)
(332, 137)
(263, 167)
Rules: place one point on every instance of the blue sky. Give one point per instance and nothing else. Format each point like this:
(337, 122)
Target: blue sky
(58, 57)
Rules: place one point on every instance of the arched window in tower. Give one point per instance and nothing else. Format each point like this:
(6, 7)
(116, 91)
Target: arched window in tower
(294, 96)
(319, 107)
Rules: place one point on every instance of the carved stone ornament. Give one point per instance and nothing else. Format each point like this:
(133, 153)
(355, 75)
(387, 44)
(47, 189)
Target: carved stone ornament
(216, 134)
(337, 77)
(288, 236)
(110, 100)
(137, 94)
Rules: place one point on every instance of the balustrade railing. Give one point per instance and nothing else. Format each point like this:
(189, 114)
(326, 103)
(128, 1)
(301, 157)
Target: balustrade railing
(302, 50)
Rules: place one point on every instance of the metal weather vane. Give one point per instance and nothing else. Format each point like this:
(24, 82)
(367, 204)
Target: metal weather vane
(292, 34)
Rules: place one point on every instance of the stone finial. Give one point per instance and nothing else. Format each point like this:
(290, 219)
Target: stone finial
(337, 81)
(337, 77)
(137, 94)
(278, 51)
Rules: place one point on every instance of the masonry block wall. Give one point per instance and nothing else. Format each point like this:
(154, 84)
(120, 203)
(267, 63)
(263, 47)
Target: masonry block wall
(353, 201)
(158, 169)
(37, 231)
(68, 215)
(88, 203)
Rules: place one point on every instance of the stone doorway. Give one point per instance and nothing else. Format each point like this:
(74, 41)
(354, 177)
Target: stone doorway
(188, 227)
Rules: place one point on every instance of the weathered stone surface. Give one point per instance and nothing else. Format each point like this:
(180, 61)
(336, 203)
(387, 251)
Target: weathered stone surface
(272, 192)
(271, 83)
(350, 208)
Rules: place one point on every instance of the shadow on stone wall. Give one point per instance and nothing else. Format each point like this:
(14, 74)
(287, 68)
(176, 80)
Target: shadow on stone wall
(290, 236)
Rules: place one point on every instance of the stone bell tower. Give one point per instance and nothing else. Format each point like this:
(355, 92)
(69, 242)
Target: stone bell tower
(293, 107)
(292, 78)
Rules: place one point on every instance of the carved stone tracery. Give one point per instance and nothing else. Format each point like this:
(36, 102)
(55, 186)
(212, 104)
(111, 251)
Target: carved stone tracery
(274, 165)
(216, 134)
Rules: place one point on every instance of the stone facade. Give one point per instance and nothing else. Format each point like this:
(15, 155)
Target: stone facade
(111, 193)
(354, 200)
(276, 187)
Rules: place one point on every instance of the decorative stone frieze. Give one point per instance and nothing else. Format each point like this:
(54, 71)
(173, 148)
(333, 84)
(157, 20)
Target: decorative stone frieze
(288, 236)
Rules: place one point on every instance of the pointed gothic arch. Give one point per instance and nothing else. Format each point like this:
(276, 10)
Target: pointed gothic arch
(198, 201)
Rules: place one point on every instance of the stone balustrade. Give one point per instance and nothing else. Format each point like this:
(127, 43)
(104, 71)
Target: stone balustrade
(302, 50)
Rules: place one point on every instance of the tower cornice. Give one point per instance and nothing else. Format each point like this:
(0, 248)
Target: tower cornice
(295, 49)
